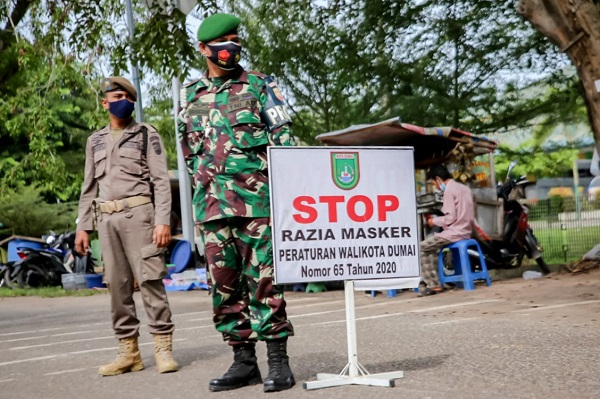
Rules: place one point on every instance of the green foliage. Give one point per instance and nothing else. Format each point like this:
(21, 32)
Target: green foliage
(470, 64)
(24, 212)
(536, 161)
(47, 109)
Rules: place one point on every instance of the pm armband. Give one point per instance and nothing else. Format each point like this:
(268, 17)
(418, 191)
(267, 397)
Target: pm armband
(274, 112)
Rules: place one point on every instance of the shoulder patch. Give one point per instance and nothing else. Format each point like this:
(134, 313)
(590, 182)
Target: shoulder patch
(155, 141)
(274, 112)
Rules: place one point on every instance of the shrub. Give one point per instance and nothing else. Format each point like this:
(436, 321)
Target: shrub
(24, 212)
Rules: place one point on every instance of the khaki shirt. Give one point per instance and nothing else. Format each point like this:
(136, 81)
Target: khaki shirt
(115, 171)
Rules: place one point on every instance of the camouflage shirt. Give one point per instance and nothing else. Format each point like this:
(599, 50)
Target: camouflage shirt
(224, 138)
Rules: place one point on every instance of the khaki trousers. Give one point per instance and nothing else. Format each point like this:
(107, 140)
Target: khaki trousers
(128, 252)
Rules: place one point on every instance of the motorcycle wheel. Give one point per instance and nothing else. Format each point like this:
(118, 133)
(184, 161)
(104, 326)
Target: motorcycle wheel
(33, 276)
(8, 281)
(542, 265)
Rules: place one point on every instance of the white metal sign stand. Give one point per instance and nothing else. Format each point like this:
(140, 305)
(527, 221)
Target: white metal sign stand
(354, 373)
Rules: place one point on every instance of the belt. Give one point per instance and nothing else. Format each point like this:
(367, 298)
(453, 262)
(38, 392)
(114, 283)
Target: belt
(119, 205)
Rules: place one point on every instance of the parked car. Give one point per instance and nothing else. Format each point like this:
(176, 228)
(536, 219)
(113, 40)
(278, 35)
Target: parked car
(594, 189)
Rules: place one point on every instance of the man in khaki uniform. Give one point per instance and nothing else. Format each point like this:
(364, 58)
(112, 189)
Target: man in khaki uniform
(126, 192)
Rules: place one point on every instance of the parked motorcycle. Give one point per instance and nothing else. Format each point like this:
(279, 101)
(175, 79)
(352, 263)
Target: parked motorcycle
(45, 267)
(5, 275)
(518, 239)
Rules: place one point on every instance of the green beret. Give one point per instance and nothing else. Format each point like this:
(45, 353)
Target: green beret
(116, 83)
(216, 26)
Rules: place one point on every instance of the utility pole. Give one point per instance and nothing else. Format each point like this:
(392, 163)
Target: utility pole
(185, 187)
(135, 71)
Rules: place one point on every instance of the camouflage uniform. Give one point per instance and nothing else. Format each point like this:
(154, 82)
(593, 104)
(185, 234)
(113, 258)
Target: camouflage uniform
(224, 138)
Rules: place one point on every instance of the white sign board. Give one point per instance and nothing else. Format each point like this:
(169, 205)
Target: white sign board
(343, 213)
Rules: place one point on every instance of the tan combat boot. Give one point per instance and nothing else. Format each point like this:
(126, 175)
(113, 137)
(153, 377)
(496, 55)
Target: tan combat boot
(163, 353)
(128, 359)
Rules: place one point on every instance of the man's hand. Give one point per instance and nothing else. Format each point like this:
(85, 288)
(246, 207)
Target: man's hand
(430, 222)
(162, 235)
(82, 242)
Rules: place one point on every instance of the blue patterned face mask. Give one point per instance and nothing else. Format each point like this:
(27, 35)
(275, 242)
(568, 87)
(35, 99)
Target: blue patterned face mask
(443, 187)
(122, 109)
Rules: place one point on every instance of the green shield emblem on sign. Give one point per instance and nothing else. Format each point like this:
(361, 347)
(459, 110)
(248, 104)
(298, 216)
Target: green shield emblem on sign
(344, 169)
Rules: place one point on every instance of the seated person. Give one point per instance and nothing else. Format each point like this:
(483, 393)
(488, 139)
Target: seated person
(456, 222)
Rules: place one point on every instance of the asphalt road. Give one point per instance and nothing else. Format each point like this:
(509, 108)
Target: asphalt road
(515, 339)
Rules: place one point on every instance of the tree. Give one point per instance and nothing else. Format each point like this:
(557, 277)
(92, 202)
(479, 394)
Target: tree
(53, 54)
(574, 26)
(47, 109)
(433, 63)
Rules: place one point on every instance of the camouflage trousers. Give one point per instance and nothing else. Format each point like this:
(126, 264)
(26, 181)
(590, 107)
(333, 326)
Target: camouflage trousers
(247, 306)
(430, 248)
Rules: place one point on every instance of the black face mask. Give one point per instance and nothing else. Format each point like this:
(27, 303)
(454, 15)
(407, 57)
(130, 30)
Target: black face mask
(225, 55)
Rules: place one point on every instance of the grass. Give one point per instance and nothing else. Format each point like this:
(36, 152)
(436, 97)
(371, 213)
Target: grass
(46, 292)
(577, 241)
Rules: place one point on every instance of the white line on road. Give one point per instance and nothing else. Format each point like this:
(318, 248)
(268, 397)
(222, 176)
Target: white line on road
(112, 348)
(32, 359)
(315, 304)
(450, 321)
(409, 311)
(454, 305)
(46, 336)
(24, 339)
(1, 381)
(195, 327)
(32, 331)
(52, 329)
(65, 371)
(373, 305)
(202, 319)
(357, 319)
(296, 300)
(562, 305)
(291, 308)
(59, 343)
(191, 313)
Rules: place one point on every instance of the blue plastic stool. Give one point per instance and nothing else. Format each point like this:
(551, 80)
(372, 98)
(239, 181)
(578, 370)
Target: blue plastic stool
(299, 287)
(463, 275)
(389, 293)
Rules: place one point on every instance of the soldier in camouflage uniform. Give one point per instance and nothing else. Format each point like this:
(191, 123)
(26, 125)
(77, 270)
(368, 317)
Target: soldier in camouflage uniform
(227, 120)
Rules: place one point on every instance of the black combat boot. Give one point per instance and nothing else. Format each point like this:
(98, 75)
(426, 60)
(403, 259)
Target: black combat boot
(280, 376)
(244, 370)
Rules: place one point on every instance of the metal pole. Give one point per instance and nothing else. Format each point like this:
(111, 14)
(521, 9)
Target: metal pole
(351, 329)
(135, 73)
(185, 191)
(576, 190)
